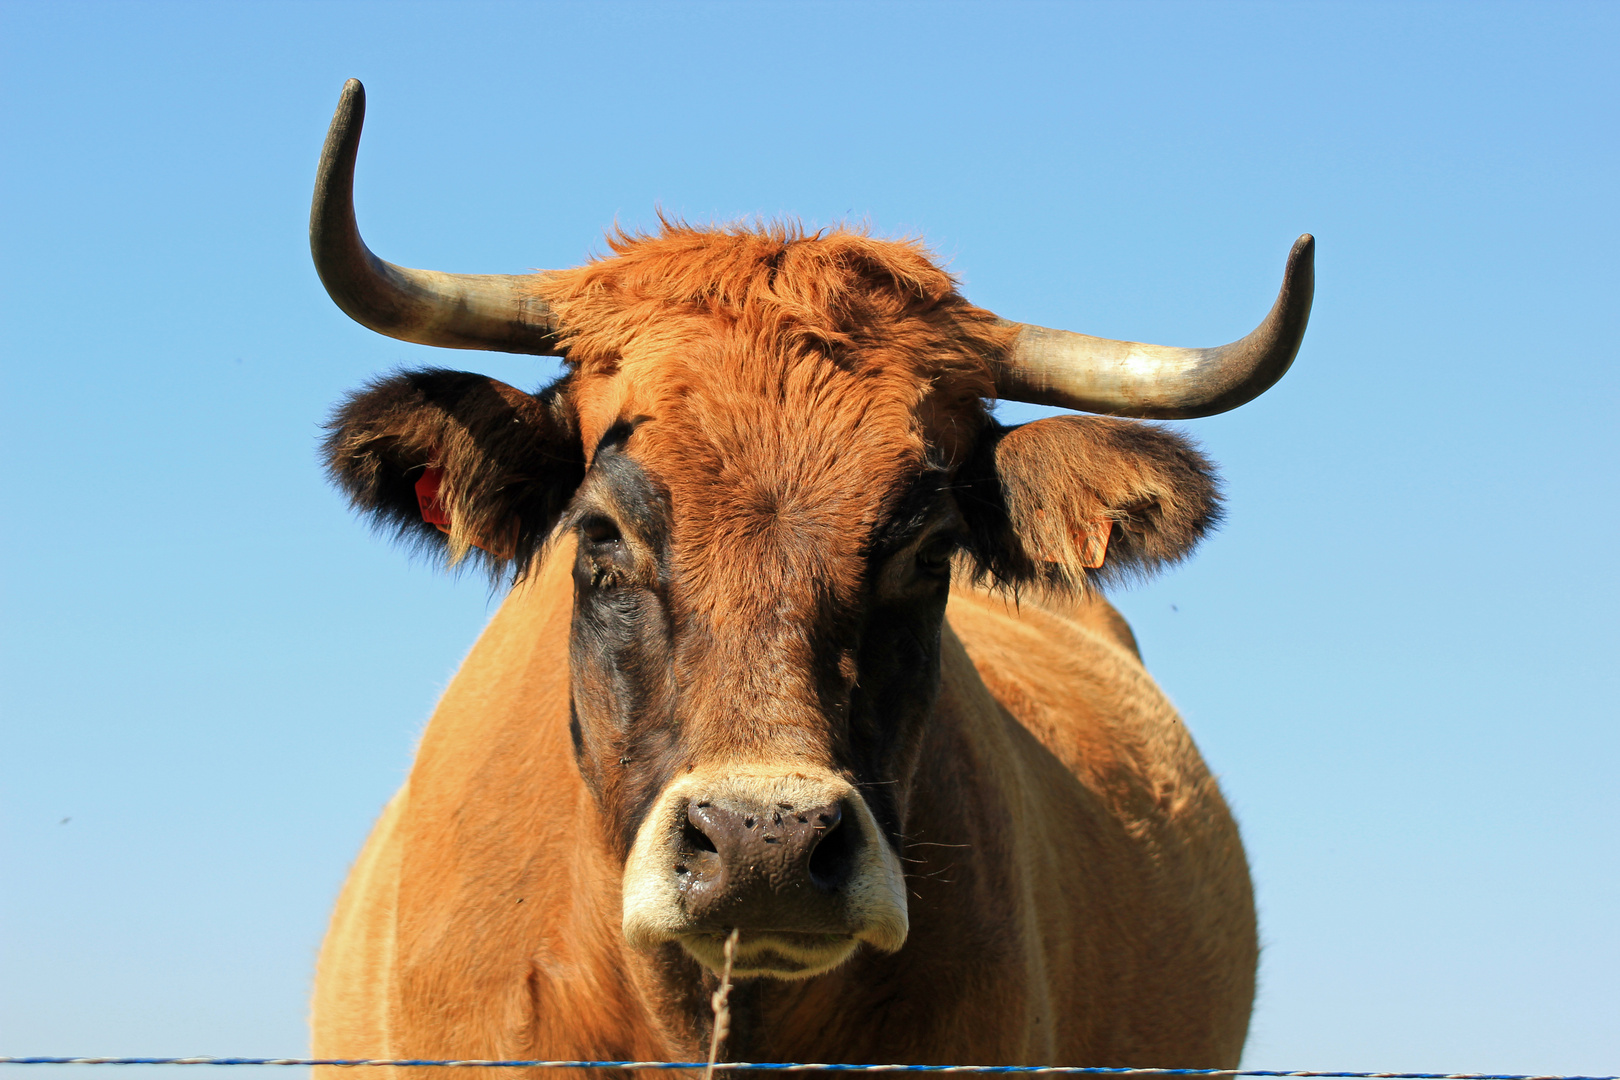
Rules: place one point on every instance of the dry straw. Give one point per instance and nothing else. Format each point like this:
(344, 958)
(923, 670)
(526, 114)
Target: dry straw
(722, 1007)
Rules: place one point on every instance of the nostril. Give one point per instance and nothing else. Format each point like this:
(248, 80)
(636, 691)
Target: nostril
(695, 839)
(828, 817)
(834, 856)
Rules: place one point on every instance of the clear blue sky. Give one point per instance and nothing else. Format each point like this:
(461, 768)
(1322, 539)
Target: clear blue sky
(1400, 654)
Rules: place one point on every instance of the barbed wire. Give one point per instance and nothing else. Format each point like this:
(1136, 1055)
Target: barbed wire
(781, 1066)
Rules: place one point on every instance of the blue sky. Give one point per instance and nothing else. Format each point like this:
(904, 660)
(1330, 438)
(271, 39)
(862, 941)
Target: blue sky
(1398, 654)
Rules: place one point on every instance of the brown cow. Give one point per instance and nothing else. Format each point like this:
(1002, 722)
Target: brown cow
(802, 643)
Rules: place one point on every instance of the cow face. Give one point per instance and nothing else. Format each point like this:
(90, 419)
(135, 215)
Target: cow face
(770, 453)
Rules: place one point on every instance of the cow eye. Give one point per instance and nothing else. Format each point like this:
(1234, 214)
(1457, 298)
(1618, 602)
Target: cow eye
(934, 557)
(602, 534)
(604, 549)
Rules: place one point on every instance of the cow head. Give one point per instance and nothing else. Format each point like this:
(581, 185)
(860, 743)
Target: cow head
(770, 453)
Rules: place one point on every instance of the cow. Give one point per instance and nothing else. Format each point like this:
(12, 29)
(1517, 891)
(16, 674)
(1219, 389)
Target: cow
(803, 651)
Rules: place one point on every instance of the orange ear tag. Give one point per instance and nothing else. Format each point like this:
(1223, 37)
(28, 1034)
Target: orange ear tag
(1094, 544)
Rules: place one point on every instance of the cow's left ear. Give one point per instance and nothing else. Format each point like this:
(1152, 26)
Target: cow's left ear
(1071, 500)
(453, 461)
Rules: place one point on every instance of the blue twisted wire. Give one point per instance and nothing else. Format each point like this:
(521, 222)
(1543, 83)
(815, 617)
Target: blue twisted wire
(782, 1066)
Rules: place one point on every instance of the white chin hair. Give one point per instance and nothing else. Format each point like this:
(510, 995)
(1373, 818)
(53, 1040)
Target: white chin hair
(771, 954)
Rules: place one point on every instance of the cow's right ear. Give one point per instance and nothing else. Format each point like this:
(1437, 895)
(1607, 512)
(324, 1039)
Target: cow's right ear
(492, 465)
(1069, 502)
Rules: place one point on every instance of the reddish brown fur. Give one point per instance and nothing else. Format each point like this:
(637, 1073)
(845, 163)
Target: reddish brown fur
(848, 346)
(1079, 892)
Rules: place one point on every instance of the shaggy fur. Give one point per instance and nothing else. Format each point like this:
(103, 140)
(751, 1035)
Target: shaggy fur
(1034, 492)
(510, 461)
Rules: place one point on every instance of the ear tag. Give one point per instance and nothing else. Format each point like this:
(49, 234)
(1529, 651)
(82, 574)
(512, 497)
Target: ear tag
(427, 499)
(1094, 544)
(434, 513)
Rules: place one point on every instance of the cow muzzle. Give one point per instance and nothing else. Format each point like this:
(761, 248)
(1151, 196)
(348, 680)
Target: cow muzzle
(794, 862)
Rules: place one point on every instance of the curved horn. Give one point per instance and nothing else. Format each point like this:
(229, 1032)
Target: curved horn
(1128, 378)
(456, 311)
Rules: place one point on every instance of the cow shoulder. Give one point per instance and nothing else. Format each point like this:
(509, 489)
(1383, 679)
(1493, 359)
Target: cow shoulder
(1067, 669)
(353, 977)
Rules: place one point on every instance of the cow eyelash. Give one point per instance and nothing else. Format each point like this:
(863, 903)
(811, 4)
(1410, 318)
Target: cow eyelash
(604, 544)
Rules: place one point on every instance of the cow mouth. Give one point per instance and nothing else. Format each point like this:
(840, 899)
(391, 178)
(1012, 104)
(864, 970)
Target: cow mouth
(778, 954)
